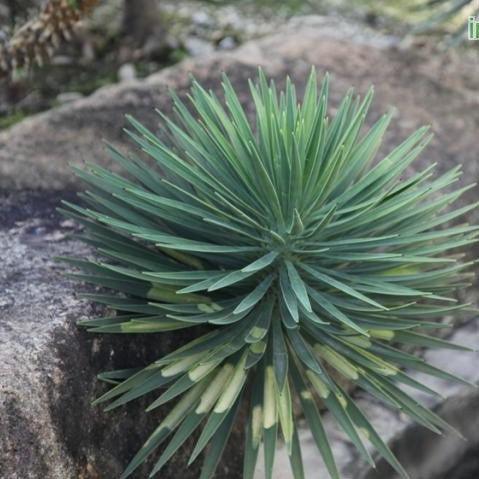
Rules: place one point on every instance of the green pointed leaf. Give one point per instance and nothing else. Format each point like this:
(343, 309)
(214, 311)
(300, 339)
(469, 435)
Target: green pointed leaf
(298, 286)
(255, 296)
(280, 355)
(261, 263)
(218, 443)
(313, 417)
(254, 430)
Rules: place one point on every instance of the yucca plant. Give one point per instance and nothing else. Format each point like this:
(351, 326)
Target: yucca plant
(296, 256)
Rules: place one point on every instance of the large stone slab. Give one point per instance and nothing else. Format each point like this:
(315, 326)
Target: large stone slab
(48, 428)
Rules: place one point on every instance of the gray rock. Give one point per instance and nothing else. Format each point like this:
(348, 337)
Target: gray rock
(48, 427)
(202, 19)
(227, 43)
(68, 97)
(127, 72)
(428, 456)
(197, 47)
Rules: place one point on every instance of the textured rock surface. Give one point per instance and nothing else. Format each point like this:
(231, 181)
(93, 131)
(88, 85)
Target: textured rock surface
(47, 366)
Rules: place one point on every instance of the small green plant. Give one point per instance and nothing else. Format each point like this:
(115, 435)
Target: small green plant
(295, 256)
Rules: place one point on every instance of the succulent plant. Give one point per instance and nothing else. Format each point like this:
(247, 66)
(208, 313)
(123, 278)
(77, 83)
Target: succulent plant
(296, 255)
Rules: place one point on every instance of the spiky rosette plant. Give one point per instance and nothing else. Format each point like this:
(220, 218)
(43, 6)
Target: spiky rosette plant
(296, 257)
